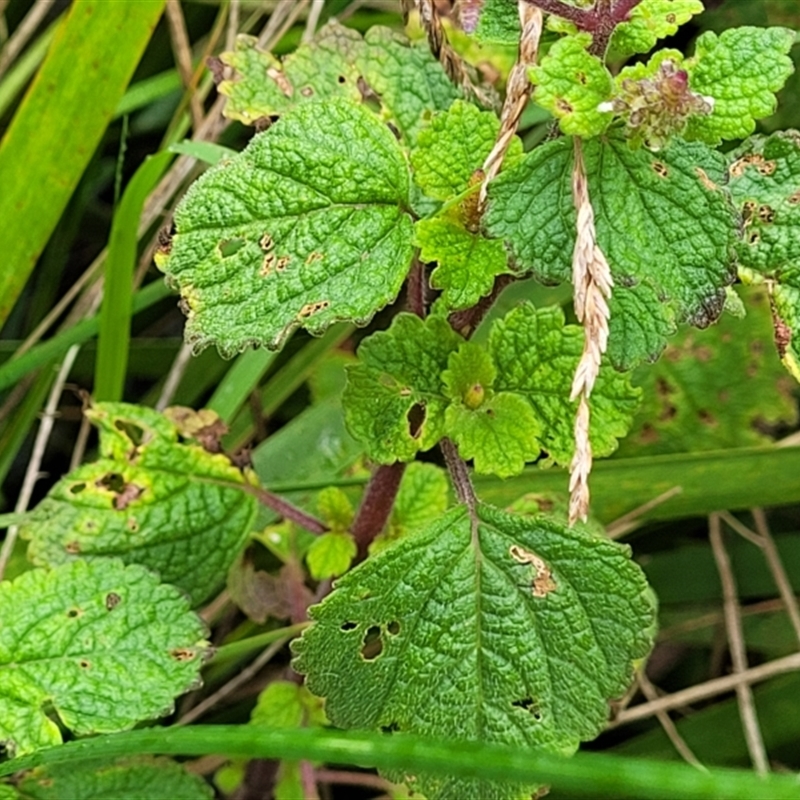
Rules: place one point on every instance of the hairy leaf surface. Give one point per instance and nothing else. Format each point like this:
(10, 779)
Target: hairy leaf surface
(514, 630)
(571, 83)
(102, 644)
(150, 499)
(741, 69)
(304, 228)
(263, 86)
(662, 220)
(140, 778)
(650, 21)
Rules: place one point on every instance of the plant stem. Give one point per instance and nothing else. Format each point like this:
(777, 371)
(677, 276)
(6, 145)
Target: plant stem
(376, 505)
(416, 290)
(466, 322)
(286, 509)
(459, 475)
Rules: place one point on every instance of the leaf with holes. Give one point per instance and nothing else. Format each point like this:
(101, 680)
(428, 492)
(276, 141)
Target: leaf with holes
(140, 778)
(100, 644)
(741, 69)
(571, 84)
(765, 184)
(536, 356)
(305, 227)
(393, 400)
(650, 21)
(263, 86)
(410, 82)
(150, 499)
(514, 629)
(663, 221)
(715, 389)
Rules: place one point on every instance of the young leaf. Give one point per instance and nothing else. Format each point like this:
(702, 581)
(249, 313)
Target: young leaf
(499, 431)
(149, 499)
(662, 220)
(140, 778)
(330, 554)
(765, 185)
(741, 69)
(305, 227)
(498, 22)
(536, 356)
(650, 21)
(103, 644)
(715, 389)
(514, 630)
(466, 262)
(410, 82)
(453, 146)
(262, 86)
(393, 400)
(571, 84)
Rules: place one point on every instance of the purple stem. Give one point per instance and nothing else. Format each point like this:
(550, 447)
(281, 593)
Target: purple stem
(416, 289)
(376, 506)
(465, 322)
(286, 509)
(459, 474)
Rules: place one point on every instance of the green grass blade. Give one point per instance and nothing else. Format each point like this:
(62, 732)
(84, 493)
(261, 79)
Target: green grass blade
(144, 92)
(60, 123)
(53, 348)
(586, 774)
(239, 381)
(115, 313)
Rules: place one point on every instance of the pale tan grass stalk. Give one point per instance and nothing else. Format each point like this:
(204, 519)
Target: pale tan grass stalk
(592, 282)
(182, 51)
(518, 90)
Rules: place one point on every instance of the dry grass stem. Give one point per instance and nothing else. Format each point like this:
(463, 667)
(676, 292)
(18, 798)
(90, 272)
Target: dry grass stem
(633, 519)
(649, 691)
(174, 376)
(17, 41)
(32, 472)
(518, 91)
(280, 20)
(733, 627)
(592, 282)
(709, 689)
(182, 51)
(313, 19)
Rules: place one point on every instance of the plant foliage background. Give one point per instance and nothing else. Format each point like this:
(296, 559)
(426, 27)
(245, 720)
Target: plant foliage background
(175, 513)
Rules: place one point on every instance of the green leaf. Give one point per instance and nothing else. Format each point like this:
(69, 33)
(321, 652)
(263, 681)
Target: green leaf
(513, 630)
(410, 82)
(765, 186)
(453, 146)
(499, 431)
(741, 69)
(263, 86)
(335, 508)
(304, 228)
(399, 374)
(650, 21)
(571, 84)
(330, 554)
(423, 496)
(102, 644)
(719, 388)
(129, 779)
(466, 263)
(149, 499)
(498, 22)
(662, 221)
(536, 357)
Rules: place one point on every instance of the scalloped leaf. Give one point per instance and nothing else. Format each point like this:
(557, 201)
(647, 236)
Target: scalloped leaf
(741, 69)
(150, 499)
(650, 21)
(571, 84)
(498, 21)
(509, 629)
(263, 86)
(410, 82)
(536, 357)
(127, 779)
(662, 220)
(102, 644)
(306, 227)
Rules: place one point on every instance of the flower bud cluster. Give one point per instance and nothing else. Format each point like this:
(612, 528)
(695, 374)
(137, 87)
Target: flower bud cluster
(658, 107)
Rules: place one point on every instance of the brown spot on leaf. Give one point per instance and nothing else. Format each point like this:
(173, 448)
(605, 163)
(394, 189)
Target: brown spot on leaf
(581, 78)
(782, 333)
(182, 654)
(112, 601)
(705, 180)
(703, 353)
(648, 435)
(563, 106)
(164, 241)
(75, 612)
(542, 583)
(281, 81)
(707, 418)
(266, 265)
(667, 413)
(660, 169)
(73, 548)
(766, 214)
(128, 495)
(794, 198)
(307, 91)
(217, 69)
(282, 262)
(309, 309)
(266, 243)
(314, 256)
(671, 18)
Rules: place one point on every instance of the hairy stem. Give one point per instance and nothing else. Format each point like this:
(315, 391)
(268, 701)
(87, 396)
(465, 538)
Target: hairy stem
(459, 475)
(376, 505)
(417, 289)
(286, 509)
